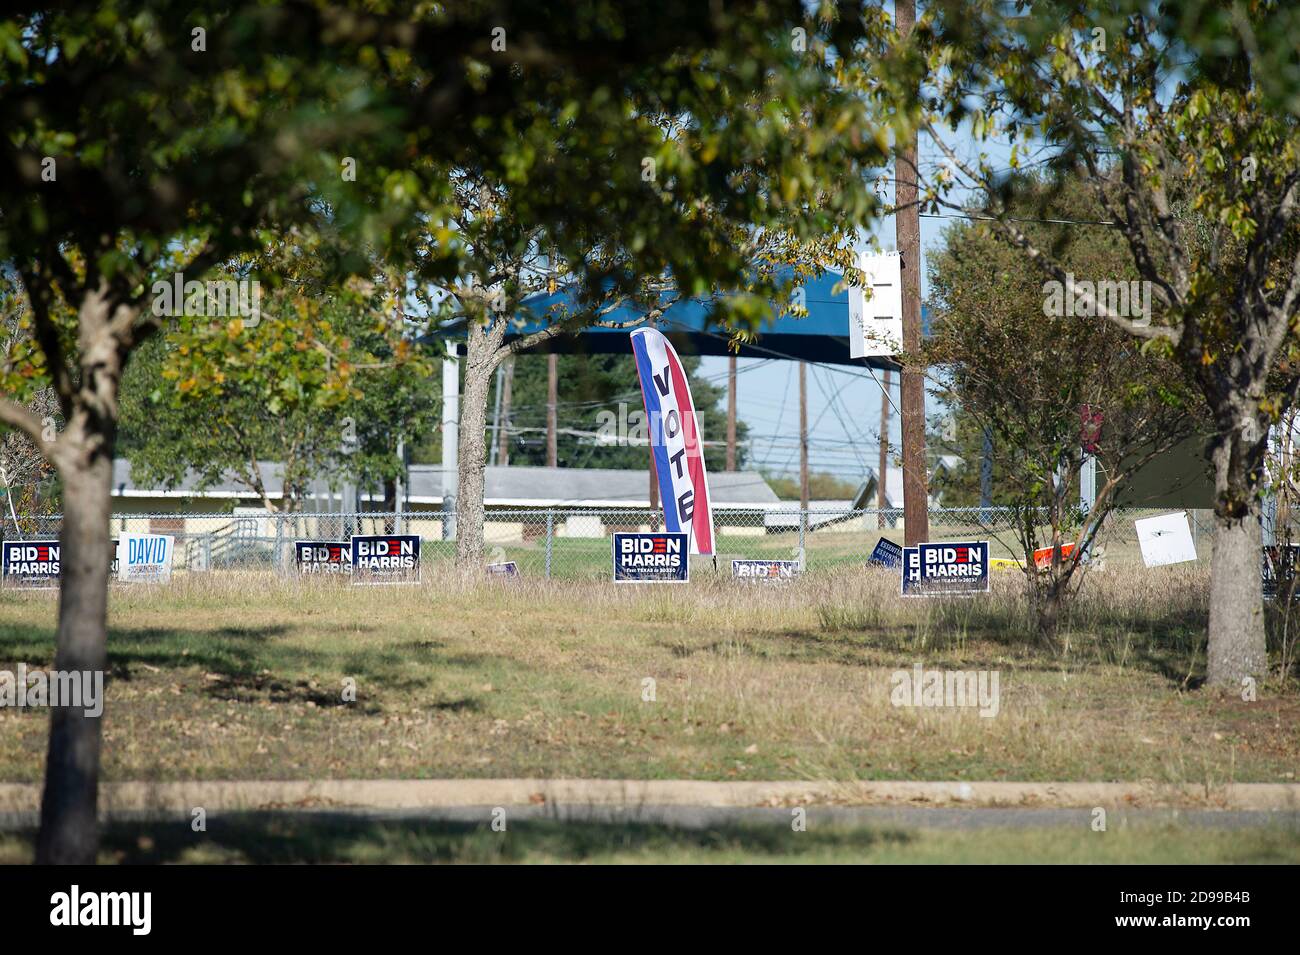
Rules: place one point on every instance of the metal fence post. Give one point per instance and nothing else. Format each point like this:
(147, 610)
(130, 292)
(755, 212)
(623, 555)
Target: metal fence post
(550, 537)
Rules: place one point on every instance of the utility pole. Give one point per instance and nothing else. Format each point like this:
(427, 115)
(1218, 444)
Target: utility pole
(731, 413)
(552, 390)
(503, 436)
(803, 435)
(882, 473)
(907, 225)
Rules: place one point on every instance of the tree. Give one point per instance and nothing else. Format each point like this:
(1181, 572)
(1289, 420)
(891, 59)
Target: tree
(22, 466)
(780, 202)
(1192, 157)
(603, 424)
(1047, 386)
(326, 382)
(155, 137)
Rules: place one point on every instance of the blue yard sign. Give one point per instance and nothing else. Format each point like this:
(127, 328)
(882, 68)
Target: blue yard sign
(886, 554)
(956, 568)
(651, 558)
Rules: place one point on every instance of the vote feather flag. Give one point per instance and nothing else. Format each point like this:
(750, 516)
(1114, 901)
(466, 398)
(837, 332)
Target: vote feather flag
(674, 440)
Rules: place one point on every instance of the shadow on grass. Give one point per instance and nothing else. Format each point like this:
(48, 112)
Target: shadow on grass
(255, 664)
(278, 838)
(1172, 644)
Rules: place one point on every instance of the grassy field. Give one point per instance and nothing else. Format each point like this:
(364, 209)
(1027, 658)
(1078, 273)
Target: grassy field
(839, 546)
(297, 839)
(228, 676)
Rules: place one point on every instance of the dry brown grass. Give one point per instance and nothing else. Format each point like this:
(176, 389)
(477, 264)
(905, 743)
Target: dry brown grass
(229, 676)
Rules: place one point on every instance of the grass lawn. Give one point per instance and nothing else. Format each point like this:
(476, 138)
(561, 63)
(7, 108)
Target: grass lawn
(842, 546)
(231, 676)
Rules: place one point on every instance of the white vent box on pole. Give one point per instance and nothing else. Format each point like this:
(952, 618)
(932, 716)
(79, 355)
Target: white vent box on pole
(876, 322)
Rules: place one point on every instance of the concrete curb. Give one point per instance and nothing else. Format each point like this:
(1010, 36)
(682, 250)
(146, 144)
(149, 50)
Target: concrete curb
(247, 795)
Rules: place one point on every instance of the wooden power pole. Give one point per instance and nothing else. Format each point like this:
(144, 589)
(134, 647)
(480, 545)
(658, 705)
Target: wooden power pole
(731, 413)
(907, 224)
(882, 473)
(552, 400)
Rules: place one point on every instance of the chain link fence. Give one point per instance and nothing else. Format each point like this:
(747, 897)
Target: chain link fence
(574, 543)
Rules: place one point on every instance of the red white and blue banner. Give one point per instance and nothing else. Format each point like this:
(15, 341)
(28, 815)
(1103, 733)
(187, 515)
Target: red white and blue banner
(675, 440)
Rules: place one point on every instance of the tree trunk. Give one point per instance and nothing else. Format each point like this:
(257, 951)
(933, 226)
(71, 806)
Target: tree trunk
(1046, 606)
(1237, 648)
(390, 505)
(480, 364)
(69, 832)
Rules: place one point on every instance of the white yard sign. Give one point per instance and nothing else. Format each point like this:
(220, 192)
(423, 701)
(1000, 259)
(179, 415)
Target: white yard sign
(145, 558)
(876, 322)
(1166, 539)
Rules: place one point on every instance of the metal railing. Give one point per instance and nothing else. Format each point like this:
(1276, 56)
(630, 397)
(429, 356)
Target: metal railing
(565, 542)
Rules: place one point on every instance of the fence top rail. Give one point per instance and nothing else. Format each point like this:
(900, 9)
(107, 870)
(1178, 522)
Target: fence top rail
(975, 514)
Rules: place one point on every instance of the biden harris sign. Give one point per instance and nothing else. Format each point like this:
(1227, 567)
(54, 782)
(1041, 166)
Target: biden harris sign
(651, 558)
(960, 568)
(385, 558)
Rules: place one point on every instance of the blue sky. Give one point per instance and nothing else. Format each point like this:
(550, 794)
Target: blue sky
(843, 401)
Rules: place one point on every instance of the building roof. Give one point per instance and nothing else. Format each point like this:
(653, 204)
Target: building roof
(893, 488)
(505, 487)
(691, 324)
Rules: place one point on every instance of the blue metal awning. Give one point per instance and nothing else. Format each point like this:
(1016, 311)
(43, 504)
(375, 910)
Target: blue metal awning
(690, 325)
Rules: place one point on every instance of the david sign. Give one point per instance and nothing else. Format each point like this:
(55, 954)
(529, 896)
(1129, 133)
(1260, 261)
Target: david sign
(145, 558)
(323, 557)
(385, 558)
(959, 569)
(651, 558)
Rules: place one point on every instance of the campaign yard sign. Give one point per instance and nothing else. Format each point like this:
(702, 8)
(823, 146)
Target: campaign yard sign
(765, 569)
(43, 563)
(1280, 566)
(145, 558)
(946, 569)
(506, 568)
(31, 563)
(1043, 556)
(1166, 539)
(323, 557)
(385, 558)
(651, 558)
(886, 554)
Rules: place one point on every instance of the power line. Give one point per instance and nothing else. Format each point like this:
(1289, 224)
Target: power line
(961, 215)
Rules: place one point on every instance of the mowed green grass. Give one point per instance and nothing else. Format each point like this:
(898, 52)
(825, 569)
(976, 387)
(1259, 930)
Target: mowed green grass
(230, 676)
(285, 839)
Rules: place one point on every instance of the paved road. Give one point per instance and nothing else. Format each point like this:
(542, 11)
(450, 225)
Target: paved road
(701, 817)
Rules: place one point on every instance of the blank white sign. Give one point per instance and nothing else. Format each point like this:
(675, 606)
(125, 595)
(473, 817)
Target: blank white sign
(876, 322)
(1166, 539)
